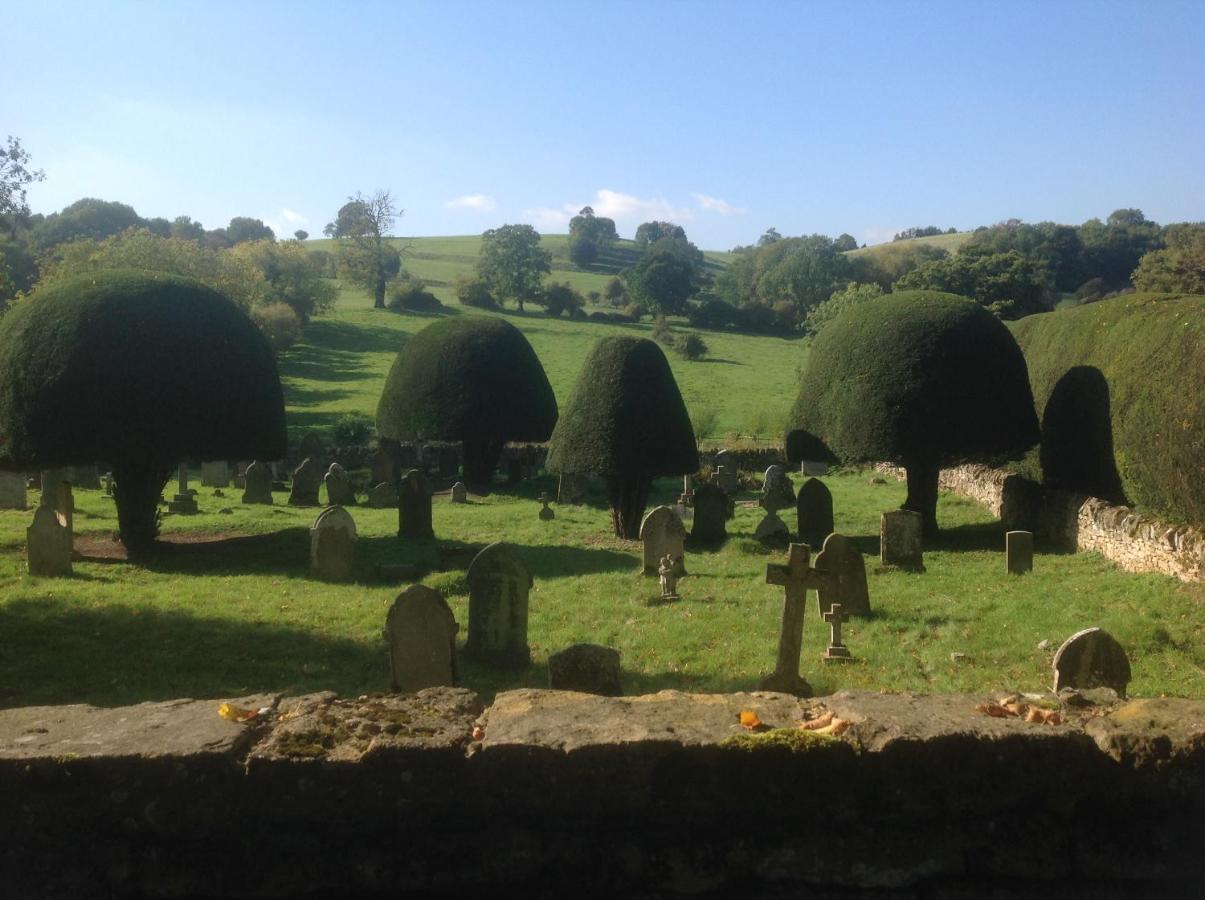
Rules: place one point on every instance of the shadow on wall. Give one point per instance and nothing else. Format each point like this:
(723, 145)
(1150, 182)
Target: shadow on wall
(1077, 436)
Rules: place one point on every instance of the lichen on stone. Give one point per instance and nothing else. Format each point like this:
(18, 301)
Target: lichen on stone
(793, 740)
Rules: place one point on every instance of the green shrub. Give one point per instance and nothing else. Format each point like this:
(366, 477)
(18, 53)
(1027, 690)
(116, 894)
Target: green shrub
(353, 429)
(278, 323)
(691, 346)
(1124, 371)
(561, 298)
(473, 291)
(473, 379)
(921, 379)
(411, 295)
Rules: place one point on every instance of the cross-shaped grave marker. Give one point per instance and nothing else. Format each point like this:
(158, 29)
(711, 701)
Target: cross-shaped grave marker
(836, 649)
(798, 578)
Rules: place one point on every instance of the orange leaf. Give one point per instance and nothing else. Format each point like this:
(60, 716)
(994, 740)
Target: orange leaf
(993, 709)
(749, 719)
(478, 733)
(236, 713)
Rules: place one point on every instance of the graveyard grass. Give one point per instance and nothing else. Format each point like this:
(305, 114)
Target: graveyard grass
(239, 616)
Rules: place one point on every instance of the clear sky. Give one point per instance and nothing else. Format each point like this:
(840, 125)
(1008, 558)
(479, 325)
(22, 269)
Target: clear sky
(729, 118)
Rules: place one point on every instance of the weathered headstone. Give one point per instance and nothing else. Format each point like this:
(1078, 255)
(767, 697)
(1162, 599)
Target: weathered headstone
(383, 496)
(215, 473)
(414, 506)
(332, 545)
(797, 577)
(846, 585)
(306, 479)
(1091, 658)
(836, 649)
(727, 479)
(460, 493)
(48, 544)
(547, 513)
(587, 668)
(814, 512)
(1018, 552)
(662, 532)
(339, 491)
(813, 468)
(711, 513)
(312, 447)
(257, 484)
(900, 540)
(421, 633)
(499, 584)
(183, 502)
(12, 491)
(776, 492)
(50, 479)
(571, 490)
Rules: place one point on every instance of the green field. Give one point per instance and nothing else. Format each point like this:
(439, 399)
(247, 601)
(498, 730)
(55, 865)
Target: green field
(239, 616)
(948, 242)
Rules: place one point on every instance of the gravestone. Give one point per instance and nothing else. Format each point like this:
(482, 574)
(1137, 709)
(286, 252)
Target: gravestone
(460, 493)
(711, 513)
(384, 467)
(1018, 552)
(332, 545)
(257, 484)
(421, 633)
(449, 462)
(587, 668)
(814, 512)
(307, 477)
(12, 491)
(48, 544)
(85, 477)
(64, 507)
(183, 502)
(1091, 658)
(836, 648)
(312, 447)
(50, 479)
(215, 473)
(776, 492)
(571, 489)
(846, 584)
(499, 584)
(797, 577)
(547, 513)
(383, 496)
(813, 468)
(662, 532)
(339, 491)
(727, 479)
(414, 506)
(900, 540)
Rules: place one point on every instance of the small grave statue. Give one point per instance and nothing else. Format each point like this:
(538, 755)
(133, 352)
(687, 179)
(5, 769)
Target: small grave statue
(460, 493)
(183, 502)
(668, 570)
(836, 649)
(547, 514)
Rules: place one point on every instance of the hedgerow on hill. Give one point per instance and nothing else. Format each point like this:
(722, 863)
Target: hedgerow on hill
(1127, 372)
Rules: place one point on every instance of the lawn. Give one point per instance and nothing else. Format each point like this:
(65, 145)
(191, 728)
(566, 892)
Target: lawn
(238, 615)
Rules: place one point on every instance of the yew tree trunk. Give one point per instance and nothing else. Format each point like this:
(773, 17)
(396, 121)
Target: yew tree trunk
(922, 495)
(628, 498)
(480, 460)
(137, 487)
(378, 301)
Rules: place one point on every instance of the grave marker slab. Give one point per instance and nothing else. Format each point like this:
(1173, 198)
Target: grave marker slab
(900, 540)
(339, 491)
(587, 668)
(414, 506)
(257, 484)
(776, 492)
(661, 533)
(421, 633)
(711, 514)
(48, 544)
(383, 496)
(727, 479)
(1091, 658)
(1018, 552)
(215, 473)
(499, 586)
(332, 545)
(306, 479)
(814, 512)
(12, 491)
(846, 584)
(460, 493)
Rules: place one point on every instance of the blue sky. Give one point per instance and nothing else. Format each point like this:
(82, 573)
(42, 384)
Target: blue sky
(726, 117)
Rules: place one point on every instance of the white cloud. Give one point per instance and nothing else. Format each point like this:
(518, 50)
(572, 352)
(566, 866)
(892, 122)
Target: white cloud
(715, 204)
(285, 222)
(627, 210)
(878, 234)
(545, 218)
(475, 202)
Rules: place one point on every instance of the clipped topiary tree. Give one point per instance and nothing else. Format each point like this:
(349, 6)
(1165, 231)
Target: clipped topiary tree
(625, 420)
(473, 379)
(137, 369)
(920, 379)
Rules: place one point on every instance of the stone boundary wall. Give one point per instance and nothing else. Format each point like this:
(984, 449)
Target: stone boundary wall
(1135, 542)
(554, 793)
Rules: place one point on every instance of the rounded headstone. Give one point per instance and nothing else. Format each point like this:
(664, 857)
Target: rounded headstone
(588, 668)
(1091, 658)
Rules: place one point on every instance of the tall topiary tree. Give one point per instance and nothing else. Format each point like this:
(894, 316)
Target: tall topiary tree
(625, 420)
(136, 369)
(921, 379)
(473, 379)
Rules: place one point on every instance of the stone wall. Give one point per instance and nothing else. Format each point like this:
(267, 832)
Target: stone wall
(559, 794)
(1064, 519)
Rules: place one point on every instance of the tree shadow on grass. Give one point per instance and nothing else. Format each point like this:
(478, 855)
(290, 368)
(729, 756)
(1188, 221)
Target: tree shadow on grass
(545, 560)
(278, 552)
(714, 359)
(969, 538)
(333, 335)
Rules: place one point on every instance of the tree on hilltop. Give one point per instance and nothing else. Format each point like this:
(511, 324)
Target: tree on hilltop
(513, 263)
(362, 227)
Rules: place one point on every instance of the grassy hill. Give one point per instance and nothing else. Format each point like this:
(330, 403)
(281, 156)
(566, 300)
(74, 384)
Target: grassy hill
(948, 242)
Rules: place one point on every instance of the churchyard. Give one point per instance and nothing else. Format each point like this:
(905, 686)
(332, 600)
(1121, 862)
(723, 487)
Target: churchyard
(227, 608)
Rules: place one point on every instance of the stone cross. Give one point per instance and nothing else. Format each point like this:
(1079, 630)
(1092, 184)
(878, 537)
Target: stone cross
(797, 577)
(547, 514)
(1018, 552)
(183, 502)
(836, 649)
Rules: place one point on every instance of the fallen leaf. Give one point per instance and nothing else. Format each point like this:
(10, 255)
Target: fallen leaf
(995, 710)
(1043, 716)
(749, 720)
(478, 733)
(236, 713)
(818, 722)
(835, 727)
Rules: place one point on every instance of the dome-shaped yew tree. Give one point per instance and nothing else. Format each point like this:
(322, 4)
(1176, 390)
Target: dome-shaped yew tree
(136, 369)
(625, 420)
(921, 379)
(473, 379)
